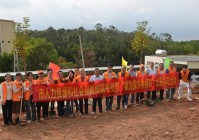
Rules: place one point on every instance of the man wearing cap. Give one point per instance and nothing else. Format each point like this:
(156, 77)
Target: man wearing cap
(171, 91)
(185, 77)
(161, 71)
(141, 72)
(107, 75)
(40, 80)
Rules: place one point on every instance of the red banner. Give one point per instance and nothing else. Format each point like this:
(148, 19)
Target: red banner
(104, 88)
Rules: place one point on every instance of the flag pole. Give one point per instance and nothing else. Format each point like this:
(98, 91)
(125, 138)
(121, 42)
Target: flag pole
(82, 54)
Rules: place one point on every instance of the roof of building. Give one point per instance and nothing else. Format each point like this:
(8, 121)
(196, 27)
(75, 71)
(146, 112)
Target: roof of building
(190, 58)
(7, 20)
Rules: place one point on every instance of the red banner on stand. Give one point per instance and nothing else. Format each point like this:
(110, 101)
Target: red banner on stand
(104, 88)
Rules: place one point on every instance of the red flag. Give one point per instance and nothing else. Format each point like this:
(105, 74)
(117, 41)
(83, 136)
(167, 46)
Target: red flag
(55, 69)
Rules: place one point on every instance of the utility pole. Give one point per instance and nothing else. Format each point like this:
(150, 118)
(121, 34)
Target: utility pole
(82, 54)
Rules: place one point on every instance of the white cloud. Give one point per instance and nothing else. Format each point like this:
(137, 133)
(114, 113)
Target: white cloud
(177, 17)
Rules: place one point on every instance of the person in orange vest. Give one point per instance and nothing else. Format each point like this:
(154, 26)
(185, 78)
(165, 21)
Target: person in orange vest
(40, 80)
(17, 97)
(141, 72)
(82, 78)
(123, 73)
(28, 98)
(49, 80)
(6, 100)
(170, 92)
(60, 80)
(185, 77)
(76, 73)
(107, 75)
(71, 79)
(161, 71)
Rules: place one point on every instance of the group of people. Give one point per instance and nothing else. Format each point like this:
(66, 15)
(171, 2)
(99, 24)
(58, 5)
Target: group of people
(12, 92)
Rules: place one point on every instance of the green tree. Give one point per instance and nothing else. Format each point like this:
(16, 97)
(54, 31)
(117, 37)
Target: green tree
(6, 62)
(140, 39)
(21, 41)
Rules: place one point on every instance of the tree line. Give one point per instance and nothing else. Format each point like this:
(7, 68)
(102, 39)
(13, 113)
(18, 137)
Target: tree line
(101, 45)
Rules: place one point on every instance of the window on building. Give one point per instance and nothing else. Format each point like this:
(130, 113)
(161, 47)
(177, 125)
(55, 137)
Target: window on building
(8, 41)
(2, 41)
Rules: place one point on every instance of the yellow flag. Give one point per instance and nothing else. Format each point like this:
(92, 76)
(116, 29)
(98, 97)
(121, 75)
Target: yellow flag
(124, 62)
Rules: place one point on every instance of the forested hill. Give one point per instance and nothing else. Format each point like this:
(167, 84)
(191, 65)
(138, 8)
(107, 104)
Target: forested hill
(103, 45)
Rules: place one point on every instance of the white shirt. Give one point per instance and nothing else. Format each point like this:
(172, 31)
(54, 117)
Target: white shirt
(9, 91)
(95, 78)
(151, 71)
(132, 73)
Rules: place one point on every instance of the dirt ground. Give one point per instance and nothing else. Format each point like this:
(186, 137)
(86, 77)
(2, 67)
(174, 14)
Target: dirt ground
(164, 120)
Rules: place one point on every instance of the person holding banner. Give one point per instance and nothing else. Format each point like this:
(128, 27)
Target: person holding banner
(151, 71)
(123, 73)
(40, 80)
(141, 72)
(17, 97)
(185, 77)
(107, 75)
(76, 73)
(96, 77)
(170, 93)
(82, 78)
(60, 107)
(6, 100)
(49, 80)
(28, 98)
(161, 71)
(132, 73)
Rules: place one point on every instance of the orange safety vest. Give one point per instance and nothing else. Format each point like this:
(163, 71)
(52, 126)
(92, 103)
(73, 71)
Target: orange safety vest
(185, 75)
(172, 70)
(27, 93)
(5, 91)
(15, 96)
(106, 75)
(125, 75)
(48, 81)
(159, 71)
(39, 81)
(139, 73)
(78, 79)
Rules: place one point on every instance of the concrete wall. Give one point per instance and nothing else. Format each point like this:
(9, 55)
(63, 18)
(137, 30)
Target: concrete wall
(7, 34)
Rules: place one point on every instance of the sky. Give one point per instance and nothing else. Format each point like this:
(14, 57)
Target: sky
(179, 18)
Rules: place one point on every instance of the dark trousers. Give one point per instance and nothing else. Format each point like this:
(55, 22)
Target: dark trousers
(76, 105)
(7, 112)
(170, 93)
(132, 98)
(45, 109)
(139, 96)
(161, 94)
(154, 96)
(60, 108)
(52, 106)
(124, 100)
(30, 110)
(68, 107)
(85, 105)
(39, 105)
(109, 103)
(95, 100)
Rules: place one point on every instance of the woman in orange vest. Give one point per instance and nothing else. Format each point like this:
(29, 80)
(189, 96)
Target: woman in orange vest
(17, 97)
(185, 77)
(161, 71)
(76, 73)
(28, 97)
(107, 75)
(82, 78)
(123, 73)
(141, 72)
(6, 99)
(170, 93)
